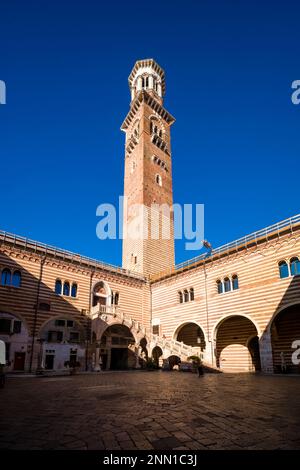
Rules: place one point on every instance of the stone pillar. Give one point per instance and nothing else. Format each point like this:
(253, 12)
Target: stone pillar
(209, 352)
(265, 351)
(97, 358)
(151, 82)
(159, 89)
(137, 355)
(108, 346)
(139, 83)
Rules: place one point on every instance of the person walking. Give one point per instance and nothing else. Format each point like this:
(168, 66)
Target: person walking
(200, 369)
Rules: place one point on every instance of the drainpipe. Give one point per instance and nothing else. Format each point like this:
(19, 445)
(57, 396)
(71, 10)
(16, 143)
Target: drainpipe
(90, 306)
(207, 315)
(43, 259)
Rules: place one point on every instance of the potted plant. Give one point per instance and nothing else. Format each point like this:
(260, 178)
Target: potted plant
(73, 365)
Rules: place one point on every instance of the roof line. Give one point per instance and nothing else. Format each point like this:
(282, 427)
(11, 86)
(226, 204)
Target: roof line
(66, 255)
(236, 245)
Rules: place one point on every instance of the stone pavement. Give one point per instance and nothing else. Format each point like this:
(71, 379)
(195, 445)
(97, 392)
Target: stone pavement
(151, 410)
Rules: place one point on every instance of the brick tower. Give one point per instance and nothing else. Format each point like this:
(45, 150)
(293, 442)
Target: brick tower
(148, 173)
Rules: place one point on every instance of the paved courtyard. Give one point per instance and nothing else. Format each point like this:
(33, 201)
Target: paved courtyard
(151, 410)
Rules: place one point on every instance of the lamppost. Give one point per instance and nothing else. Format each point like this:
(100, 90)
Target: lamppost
(208, 246)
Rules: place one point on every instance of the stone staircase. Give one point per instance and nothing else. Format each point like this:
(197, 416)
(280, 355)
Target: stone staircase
(170, 347)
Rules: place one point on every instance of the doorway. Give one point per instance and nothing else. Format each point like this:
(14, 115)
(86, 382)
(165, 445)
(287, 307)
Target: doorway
(49, 361)
(119, 359)
(19, 362)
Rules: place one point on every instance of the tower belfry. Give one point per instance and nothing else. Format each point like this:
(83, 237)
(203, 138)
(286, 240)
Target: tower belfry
(148, 173)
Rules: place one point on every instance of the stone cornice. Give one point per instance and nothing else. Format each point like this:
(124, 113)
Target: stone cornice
(148, 63)
(144, 97)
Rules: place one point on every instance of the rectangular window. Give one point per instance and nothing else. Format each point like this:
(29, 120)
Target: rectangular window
(155, 329)
(5, 326)
(74, 336)
(17, 326)
(70, 323)
(60, 322)
(55, 336)
(73, 356)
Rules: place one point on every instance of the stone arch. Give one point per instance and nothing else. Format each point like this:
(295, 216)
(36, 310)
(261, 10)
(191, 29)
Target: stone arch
(16, 335)
(225, 317)
(17, 316)
(191, 336)
(57, 317)
(117, 348)
(173, 361)
(284, 330)
(157, 355)
(100, 324)
(236, 344)
(61, 344)
(279, 310)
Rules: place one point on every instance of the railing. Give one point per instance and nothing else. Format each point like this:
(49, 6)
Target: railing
(175, 347)
(240, 243)
(35, 246)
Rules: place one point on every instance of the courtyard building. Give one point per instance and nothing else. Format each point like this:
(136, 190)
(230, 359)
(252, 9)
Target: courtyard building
(237, 307)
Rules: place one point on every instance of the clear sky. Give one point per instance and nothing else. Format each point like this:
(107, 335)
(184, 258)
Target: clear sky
(229, 68)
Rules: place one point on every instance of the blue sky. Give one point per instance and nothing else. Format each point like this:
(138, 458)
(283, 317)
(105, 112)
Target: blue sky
(229, 68)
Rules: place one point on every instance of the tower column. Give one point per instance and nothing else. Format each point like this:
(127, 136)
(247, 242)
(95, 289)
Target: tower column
(139, 83)
(151, 82)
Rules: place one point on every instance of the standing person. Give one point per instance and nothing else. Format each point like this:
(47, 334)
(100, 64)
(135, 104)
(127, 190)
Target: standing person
(283, 363)
(200, 368)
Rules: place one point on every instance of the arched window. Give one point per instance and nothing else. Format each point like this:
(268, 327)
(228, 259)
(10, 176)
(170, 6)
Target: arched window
(235, 282)
(147, 82)
(180, 297)
(58, 287)
(220, 286)
(227, 284)
(192, 294)
(295, 266)
(158, 180)
(143, 82)
(74, 290)
(186, 295)
(283, 269)
(66, 288)
(6, 277)
(16, 279)
(115, 298)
